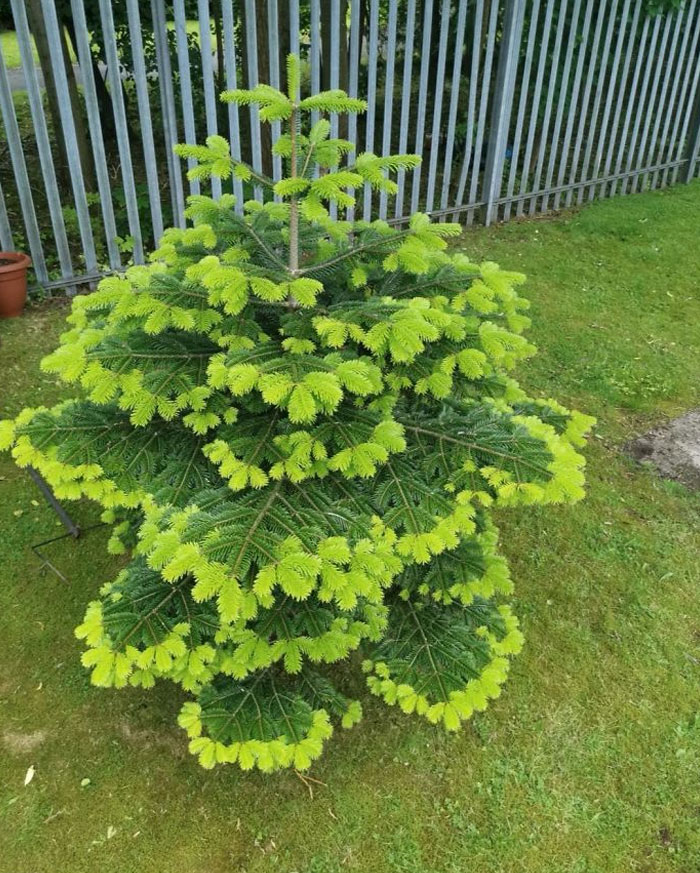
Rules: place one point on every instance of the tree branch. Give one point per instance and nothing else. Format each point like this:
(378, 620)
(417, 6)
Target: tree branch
(341, 257)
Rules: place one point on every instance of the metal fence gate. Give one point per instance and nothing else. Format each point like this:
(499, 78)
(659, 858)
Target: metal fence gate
(517, 107)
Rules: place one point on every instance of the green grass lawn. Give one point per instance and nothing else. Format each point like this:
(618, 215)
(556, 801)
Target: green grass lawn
(590, 760)
(10, 49)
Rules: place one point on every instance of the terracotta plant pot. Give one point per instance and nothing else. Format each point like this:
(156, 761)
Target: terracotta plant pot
(13, 283)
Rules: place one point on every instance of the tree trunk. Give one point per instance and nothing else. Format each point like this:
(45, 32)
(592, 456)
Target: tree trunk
(81, 134)
(104, 100)
(220, 69)
(344, 47)
(285, 45)
(363, 37)
(261, 30)
(263, 75)
(325, 46)
(38, 29)
(263, 63)
(344, 50)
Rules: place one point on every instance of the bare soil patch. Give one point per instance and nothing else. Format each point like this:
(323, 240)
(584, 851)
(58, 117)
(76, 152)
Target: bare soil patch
(673, 449)
(17, 743)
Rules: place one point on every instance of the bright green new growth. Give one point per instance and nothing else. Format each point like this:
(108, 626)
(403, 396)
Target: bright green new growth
(298, 427)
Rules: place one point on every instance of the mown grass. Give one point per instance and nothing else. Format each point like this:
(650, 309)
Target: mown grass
(10, 49)
(588, 763)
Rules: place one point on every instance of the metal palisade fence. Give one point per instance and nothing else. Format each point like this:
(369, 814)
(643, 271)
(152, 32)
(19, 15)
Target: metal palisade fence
(517, 107)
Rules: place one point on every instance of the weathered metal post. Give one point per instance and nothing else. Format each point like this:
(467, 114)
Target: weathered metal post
(43, 486)
(693, 152)
(502, 105)
(70, 134)
(14, 142)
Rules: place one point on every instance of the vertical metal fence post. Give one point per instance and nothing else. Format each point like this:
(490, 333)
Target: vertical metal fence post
(92, 108)
(405, 97)
(167, 102)
(335, 77)
(41, 132)
(437, 107)
(335, 60)
(661, 60)
(619, 100)
(520, 119)
(693, 152)
(231, 84)
(471, 107)
(641, 102)
(483, 108)
(149, 148)
(611, 89)
(553, 79)
(534, 110)
(274, 53)
(315, 52)
(502, 105)
(593, 66)
(122, 125)
(597, 102)
(388, 98)
(670, 61)
(76, 171)
(210, 101)
(252, 53)
(562, 101)
(353, 79)
(630, 96)
(678, 137)
(573, 106)
(19, 166)
(183, 66)
(422, 99)
(6, 241)
(664, 144)
(294, 27)
(454, 99)
(371, 98)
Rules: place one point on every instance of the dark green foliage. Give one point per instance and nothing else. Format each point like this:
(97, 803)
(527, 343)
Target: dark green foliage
(299, 427)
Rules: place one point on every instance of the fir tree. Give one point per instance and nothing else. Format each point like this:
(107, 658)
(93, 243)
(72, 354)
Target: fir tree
(298, 428)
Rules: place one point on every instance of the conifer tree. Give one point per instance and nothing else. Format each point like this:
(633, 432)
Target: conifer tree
(299, 428)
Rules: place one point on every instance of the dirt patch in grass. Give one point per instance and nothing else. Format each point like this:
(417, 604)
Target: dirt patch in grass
(673, 449)
(17, 743)
(147, 738)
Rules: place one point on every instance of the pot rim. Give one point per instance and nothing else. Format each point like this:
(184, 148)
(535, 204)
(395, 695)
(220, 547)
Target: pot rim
(19, 261)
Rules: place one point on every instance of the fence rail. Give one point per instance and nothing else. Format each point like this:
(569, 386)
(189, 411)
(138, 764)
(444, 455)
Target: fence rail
(518, 107)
